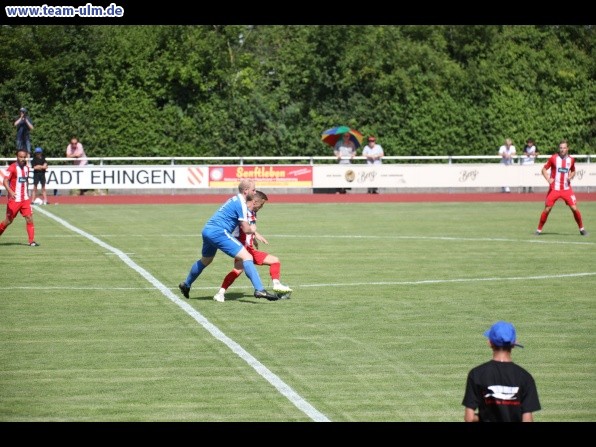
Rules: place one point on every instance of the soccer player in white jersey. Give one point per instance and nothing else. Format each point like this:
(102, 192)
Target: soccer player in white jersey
(562, 172)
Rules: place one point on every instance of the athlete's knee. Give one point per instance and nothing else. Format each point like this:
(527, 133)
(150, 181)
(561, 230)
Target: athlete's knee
(244, 255)
(206, 261)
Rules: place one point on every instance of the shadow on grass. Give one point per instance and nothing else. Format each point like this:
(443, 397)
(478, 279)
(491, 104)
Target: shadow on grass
(556, 234)
(237, 296)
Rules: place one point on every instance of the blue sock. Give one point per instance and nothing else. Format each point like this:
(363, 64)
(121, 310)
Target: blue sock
(253, 275)
(194, 273)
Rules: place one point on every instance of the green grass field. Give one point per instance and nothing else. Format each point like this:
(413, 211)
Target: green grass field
(389, 306)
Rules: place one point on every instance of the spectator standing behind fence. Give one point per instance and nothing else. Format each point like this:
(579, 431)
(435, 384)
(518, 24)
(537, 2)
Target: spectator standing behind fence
(530, 153)
(345, 151)
(24, 127)
(75, 150)
(507, 153)
(499, 389)
(374, 156)
(39, 166)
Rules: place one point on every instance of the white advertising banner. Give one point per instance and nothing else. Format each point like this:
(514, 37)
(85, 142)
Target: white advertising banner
(440, 176)
(126, 177)
(318, 176)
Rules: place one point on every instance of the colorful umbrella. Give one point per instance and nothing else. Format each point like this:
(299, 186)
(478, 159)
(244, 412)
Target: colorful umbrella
(330, 136)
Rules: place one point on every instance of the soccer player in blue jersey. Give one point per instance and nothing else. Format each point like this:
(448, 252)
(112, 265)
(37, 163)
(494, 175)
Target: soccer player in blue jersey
(259, 257)
(217, 235)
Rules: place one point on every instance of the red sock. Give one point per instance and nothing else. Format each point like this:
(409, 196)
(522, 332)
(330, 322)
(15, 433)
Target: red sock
(578, 218)
(543, 218)
(31, 231)
(229, 279)
(275, 270)
(2, 227)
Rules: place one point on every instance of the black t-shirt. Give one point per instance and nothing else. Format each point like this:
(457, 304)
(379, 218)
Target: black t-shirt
(501, 391)
(35, 161)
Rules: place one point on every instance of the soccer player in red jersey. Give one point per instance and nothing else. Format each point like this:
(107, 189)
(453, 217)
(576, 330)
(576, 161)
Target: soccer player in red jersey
(562, 171)
(260, 257)
(16, 184)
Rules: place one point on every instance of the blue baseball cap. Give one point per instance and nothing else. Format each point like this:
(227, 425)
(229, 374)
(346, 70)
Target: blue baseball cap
(38, 150)
(502, 334)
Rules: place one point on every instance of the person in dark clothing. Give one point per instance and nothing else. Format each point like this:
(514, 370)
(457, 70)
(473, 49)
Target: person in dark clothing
(24, 128)
(39, 166)
(500, 390)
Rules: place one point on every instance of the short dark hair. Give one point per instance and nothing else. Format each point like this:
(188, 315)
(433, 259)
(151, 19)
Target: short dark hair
(261, 195)
(506, 348)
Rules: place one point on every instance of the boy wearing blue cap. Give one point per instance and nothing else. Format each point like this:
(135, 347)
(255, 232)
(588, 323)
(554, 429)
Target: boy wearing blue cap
(500, 390)
(39, 165)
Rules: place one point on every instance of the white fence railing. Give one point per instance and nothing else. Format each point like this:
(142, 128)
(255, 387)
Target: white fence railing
(310, 160)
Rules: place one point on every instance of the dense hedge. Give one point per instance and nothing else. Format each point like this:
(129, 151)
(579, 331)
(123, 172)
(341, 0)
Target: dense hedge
(271, 90)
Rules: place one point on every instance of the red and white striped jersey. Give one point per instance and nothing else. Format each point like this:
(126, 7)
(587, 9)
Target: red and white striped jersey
(560, 168)
(246, 239)
(18, 180)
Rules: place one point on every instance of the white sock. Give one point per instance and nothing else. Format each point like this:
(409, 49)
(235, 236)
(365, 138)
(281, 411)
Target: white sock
(222, 291)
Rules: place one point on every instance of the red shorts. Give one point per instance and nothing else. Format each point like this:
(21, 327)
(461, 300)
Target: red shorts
(13, 208)
(258, 256)
(554, 195)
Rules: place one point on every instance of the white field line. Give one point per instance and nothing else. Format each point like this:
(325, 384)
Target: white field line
(324, 285)
(531, 239)
(274, 380)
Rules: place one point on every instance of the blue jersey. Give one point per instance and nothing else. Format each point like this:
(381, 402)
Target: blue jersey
(228, 216)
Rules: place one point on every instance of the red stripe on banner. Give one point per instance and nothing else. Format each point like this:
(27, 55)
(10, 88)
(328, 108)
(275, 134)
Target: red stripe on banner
(195, 176)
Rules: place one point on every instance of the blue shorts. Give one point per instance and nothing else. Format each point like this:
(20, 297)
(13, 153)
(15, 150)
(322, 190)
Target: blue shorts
(215, 238)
